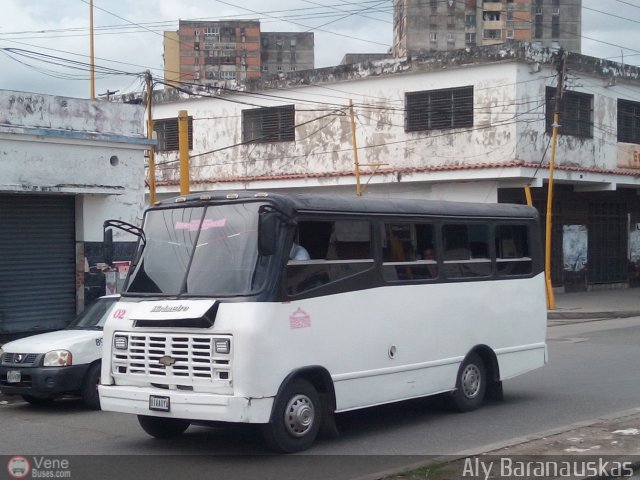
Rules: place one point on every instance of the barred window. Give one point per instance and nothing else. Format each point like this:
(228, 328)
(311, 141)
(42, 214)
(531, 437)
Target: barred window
(555, 27)
(439, 109)
(166, 130)
(576, 113)
(628, 121)
(269, 124)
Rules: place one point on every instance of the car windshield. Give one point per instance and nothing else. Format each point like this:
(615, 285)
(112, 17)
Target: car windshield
(95, 315)
(200, 250)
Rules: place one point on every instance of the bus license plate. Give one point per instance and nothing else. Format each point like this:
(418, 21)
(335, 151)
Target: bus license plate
(159, 403)
(14, 376)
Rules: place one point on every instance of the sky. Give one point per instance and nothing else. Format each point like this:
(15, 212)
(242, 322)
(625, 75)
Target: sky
(45, 46)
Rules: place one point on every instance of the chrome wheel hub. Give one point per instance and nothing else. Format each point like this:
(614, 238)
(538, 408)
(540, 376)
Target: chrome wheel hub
(299, 415)
(471, 380)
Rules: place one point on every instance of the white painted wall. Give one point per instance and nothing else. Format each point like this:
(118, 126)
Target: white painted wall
(93, 150)
(509, 126)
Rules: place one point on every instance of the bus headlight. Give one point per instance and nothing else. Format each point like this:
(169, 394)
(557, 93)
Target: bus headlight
(120, 342)
(222, 345)
(57, 358)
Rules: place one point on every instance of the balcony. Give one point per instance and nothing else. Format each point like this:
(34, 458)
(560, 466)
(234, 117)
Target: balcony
(492, 6)
(493, 24)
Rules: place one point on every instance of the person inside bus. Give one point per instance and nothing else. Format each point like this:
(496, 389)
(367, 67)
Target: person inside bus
(428, 254)
(298, 253)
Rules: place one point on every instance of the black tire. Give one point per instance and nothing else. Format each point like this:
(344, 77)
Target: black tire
(471, 384)
(160, 427)
(38, 401)
(296, 418)
(90, 384)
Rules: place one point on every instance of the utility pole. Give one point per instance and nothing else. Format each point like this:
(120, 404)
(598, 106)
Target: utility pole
(551, 301)
(355, 148)
(93, 66)
(152, 162)
(183, 145)
(359, 187)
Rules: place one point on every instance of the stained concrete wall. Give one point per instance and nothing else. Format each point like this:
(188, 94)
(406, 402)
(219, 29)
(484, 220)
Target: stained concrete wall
(93, 150)
(504, 147)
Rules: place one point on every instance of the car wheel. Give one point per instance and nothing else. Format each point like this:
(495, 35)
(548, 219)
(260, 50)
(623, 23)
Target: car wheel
(160, 427)
(471, 384)
(296, 418)
(90, 387)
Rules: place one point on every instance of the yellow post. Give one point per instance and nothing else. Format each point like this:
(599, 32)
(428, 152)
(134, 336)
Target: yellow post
(551, 301)
(183, 139)
(93, 68)
(355, 148)
(527, 194)
(152, 162)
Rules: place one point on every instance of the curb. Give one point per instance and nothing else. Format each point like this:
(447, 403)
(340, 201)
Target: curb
(555, 315)
(494, 447)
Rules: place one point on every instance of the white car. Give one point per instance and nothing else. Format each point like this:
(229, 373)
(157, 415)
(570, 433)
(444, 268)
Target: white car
(46, 366)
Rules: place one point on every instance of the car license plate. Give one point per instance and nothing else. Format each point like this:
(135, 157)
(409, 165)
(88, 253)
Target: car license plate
(14, 376)
(159, 403)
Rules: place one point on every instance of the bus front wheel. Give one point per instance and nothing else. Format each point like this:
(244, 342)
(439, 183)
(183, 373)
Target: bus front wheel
(160, 427)
(296, 418)
(471, 384)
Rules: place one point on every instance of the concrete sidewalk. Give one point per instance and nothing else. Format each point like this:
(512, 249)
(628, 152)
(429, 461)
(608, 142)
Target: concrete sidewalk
(620, 303)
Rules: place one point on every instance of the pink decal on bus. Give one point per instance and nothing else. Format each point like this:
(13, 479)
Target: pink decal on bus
(299, 319)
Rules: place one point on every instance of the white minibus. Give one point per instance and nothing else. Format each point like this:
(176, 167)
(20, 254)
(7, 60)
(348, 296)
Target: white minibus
(285, 309)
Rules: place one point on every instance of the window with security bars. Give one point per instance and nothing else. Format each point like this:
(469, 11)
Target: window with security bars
(166, 130)
(628, 121)
(269, 124)
(439, 109)
(576, 113)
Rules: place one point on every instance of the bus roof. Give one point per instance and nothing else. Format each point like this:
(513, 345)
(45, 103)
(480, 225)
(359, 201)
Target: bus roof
(300, 203)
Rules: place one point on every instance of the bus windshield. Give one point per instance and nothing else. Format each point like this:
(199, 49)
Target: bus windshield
(202, 250)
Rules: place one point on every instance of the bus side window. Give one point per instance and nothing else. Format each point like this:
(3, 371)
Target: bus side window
(466, 250)
(512, 250)
(338, 250)
(408, 252)
(350, 241)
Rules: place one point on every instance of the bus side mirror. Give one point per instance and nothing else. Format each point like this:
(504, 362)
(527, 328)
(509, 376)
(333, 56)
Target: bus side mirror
(107, 247)
(267, 233)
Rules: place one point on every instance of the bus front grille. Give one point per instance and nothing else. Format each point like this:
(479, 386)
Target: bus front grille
(174, 359)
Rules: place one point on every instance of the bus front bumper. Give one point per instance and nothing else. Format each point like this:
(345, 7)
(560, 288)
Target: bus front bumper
(188, 405)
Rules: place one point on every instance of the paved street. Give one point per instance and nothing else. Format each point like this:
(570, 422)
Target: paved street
(588, 377)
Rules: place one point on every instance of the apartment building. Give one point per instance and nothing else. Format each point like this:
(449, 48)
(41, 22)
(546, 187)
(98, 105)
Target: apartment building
(441, 25)
(282, 52)
(207, 52)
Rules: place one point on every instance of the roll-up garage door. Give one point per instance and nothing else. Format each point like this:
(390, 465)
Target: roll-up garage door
(37, 262)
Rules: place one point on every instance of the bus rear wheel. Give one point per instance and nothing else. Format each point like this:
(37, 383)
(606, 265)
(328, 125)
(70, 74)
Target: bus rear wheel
(471, 384)
(160, 427)
(296, 418)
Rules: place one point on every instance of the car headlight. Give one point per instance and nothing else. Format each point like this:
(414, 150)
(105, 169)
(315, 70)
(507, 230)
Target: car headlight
(1, 354)
(58, 358)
